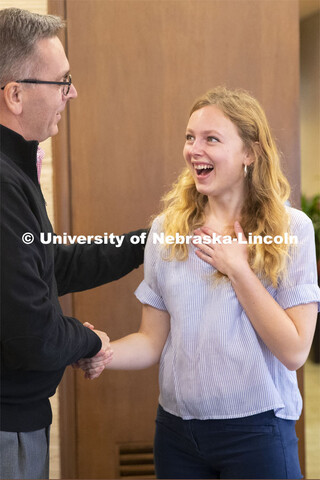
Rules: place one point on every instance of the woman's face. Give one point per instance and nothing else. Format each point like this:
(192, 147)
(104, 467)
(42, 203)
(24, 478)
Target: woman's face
(215, 154)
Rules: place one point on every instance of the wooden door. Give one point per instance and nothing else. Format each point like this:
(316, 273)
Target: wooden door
(138, 65)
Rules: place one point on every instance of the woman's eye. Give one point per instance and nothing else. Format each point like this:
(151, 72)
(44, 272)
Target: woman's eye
(189, 138)
(212, 139)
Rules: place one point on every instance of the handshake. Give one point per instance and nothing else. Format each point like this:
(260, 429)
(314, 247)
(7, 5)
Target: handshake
(94, 366)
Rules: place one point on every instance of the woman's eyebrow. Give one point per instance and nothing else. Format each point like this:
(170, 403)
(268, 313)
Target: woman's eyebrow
(206, 132)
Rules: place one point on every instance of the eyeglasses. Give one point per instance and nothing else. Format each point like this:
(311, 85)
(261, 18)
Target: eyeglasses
(66, 84)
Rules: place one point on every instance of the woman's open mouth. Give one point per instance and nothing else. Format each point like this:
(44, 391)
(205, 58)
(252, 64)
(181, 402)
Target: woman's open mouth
(203, 170)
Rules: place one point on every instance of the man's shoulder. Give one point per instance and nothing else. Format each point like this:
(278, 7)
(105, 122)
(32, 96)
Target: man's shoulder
(7, 166)
(10, 171)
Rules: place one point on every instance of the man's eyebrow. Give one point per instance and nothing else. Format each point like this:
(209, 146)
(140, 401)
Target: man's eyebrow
(63, 75)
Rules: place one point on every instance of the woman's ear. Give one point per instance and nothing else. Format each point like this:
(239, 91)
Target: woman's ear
(249, 156)
(252, 153)
(13, 97)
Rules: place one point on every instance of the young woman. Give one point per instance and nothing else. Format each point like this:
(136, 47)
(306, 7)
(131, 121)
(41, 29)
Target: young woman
(229, 321)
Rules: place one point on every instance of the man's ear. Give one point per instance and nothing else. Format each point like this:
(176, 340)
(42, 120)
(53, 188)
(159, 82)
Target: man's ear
(13, 97)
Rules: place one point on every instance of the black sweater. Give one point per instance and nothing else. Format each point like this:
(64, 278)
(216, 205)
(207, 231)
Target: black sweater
(37, 340)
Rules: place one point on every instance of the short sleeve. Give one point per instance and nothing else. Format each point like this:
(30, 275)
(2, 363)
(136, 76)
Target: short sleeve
(300, 283)
(149, 291)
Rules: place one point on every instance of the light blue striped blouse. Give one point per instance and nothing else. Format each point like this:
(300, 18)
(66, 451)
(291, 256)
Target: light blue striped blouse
(214, 365)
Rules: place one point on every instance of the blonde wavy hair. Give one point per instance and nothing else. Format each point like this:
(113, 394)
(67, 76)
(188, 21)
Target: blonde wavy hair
(267, 189)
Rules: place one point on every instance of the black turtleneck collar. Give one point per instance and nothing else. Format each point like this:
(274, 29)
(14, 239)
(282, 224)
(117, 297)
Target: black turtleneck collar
(20, 151)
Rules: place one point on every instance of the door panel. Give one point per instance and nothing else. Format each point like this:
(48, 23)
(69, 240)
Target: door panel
(138, 65)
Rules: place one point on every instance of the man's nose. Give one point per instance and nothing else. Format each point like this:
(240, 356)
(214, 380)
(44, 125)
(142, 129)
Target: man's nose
(72, 92)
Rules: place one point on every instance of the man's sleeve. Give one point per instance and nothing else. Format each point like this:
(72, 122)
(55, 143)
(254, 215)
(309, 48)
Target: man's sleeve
(34, 333)
(81, 267)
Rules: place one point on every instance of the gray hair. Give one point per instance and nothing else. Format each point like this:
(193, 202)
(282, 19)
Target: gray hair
(20, 30)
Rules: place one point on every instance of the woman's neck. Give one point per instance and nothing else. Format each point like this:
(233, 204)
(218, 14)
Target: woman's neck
(221, 215)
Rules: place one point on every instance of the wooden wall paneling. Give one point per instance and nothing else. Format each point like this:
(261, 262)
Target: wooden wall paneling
(63, 223)
(137, 66)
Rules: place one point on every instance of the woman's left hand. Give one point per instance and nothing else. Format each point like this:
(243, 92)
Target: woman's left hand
(225, 257)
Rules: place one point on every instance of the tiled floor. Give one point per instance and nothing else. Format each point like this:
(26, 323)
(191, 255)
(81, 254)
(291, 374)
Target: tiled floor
(312, 425)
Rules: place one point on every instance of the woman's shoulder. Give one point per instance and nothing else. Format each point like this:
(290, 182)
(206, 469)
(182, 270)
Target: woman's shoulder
(157, 223)
(297, 218)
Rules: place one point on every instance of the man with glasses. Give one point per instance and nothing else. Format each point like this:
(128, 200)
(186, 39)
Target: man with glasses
(66, 83)
(37, 340)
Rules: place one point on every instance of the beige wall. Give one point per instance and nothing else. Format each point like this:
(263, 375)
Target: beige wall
(310, 102)
(37, 6)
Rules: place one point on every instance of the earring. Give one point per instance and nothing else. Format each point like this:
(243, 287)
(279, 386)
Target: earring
(245, 170)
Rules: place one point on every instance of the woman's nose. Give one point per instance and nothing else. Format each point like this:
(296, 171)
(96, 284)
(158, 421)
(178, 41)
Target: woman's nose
(196, 148)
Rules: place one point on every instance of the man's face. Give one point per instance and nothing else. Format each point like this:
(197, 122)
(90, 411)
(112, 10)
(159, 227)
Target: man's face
(43, 104)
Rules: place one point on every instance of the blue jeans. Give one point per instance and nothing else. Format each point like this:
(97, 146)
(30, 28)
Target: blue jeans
(259, 446)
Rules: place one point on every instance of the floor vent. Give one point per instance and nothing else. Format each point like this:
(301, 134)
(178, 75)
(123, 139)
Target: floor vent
(136, 460)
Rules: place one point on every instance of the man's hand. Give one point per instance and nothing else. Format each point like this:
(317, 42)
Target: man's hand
(94, 366)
